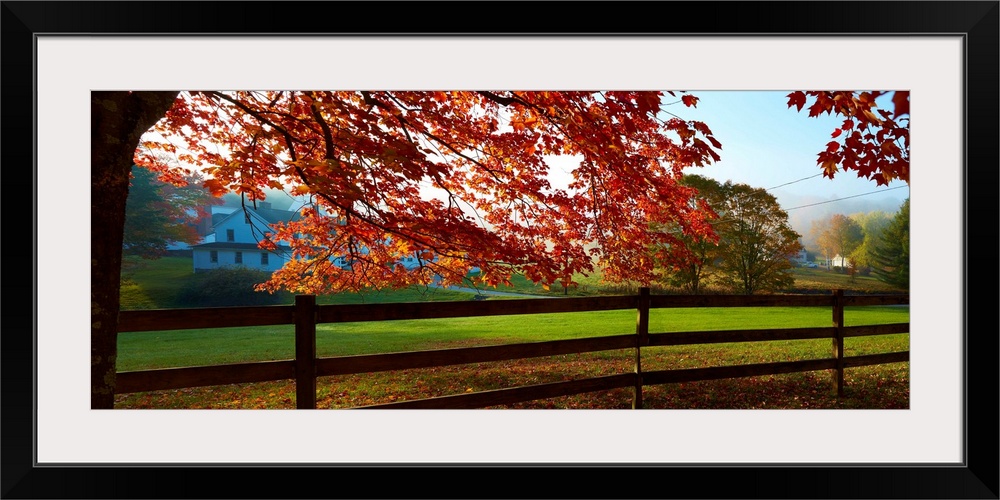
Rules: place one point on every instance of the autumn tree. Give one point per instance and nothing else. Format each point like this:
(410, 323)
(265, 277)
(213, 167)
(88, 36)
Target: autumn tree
(756, 239)
(159, 213)
(840, 235)
(692, 268)
(117, 121)
(892, 253)
(458, 179)
(873, 140)
(369, 159)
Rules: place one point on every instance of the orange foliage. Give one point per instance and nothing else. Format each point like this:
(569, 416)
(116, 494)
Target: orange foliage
(457, 179)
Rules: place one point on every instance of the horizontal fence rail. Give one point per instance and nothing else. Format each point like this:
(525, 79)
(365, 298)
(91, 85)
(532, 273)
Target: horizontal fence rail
(307, 367)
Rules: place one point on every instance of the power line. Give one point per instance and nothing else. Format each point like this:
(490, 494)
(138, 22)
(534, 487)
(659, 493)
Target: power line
(845, 198)
(793, 182)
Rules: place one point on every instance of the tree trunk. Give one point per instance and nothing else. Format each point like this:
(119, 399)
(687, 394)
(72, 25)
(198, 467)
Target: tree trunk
(117, 121)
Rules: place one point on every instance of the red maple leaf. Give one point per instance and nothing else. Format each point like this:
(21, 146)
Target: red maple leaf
(797, 99)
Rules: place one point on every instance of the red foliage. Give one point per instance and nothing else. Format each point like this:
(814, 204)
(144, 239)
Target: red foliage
(876, 142)
(456, 179)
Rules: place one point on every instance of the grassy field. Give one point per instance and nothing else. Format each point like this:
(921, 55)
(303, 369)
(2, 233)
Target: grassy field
(164, 349)
(156, 284)
(884, 386)
(807, 280)
(819, 279)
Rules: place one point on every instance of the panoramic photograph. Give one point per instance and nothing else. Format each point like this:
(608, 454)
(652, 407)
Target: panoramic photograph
(500, 249)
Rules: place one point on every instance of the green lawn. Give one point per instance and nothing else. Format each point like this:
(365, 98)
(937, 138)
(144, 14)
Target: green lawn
(145, 350)
(882, 386)
(154, 284)
(807, 280)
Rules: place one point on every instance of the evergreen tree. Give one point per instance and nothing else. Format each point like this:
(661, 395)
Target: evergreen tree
(158, 213)
(892, 253)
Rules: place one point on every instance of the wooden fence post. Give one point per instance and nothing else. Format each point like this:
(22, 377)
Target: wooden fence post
(838, 341)
(641, 339)
(305, 352)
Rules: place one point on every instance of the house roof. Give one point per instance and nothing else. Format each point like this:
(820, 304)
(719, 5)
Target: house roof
(272, 215)
(268, 215)
(219, 217)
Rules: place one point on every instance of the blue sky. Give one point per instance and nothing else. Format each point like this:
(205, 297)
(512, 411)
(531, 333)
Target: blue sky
(766, 144)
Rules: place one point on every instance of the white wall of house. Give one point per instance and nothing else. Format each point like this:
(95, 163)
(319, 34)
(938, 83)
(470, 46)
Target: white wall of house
(840, 261)
(214, 258)
(234, 243)
(241, 227)
(243, 231)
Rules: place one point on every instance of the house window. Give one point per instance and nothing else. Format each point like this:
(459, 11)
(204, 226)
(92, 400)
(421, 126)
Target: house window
(230, 235)
(239, 257)
(214, 256)
(263, 259)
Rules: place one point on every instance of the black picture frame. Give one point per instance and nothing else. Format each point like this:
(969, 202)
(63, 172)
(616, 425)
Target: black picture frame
(977, 21)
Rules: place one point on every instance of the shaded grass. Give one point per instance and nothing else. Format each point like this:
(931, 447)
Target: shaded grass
(153, 284)
(157, 284)
(874, 387)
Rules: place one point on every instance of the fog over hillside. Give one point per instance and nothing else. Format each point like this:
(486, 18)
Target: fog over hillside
(804, 209)
(279, 200)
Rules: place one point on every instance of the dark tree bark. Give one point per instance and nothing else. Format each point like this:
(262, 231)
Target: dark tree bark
(117, 121)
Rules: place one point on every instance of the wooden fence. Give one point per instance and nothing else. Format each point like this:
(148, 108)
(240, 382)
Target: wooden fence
(306, 367)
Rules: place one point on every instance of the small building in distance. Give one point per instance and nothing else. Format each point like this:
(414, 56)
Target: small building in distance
(232, 239)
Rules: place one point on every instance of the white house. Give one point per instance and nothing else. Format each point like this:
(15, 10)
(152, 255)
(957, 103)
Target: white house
(234, 236)
(840, 261)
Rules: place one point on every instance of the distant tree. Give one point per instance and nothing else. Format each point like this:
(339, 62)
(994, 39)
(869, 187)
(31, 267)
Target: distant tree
(892, 253)
(872, 224)
(159, 213)
(818, 227)
(756, 239)
(840, 235)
